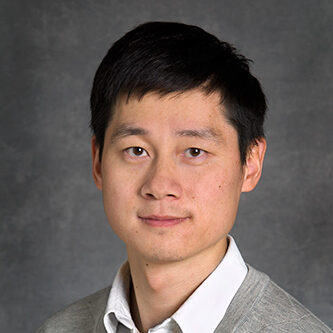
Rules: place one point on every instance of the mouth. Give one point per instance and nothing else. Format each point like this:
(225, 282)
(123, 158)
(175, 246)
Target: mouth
(162, 221)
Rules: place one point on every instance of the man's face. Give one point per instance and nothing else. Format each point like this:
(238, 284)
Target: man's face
(171, 174)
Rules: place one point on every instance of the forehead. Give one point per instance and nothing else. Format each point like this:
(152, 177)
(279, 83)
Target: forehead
(190, 107)
(191, 114)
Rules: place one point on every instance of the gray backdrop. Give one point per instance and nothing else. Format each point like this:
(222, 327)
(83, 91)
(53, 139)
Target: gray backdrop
(56, 245)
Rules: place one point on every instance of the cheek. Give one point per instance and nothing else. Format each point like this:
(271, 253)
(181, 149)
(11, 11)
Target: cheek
(215, 195)
(118, 194)
(118, 182)
(207, 186)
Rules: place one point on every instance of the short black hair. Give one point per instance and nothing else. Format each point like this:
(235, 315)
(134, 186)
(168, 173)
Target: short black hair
(166, 57)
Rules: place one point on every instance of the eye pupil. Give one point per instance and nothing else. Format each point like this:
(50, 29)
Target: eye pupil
(195, 151)
(137, 151)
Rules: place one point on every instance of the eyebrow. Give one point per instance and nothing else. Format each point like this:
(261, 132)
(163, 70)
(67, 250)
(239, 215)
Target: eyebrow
(206, 133)
(125, 130)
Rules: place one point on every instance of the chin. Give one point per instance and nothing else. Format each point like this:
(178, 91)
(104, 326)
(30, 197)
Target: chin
(159, 253)
(162, 258)
(167, 254)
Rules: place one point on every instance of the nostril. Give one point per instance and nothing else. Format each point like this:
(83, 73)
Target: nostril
(150, 195)
(159, 188)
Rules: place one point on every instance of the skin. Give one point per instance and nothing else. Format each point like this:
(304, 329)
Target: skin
(172, 205)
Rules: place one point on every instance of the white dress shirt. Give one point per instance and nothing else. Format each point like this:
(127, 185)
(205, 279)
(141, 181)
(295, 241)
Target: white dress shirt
(201, 312)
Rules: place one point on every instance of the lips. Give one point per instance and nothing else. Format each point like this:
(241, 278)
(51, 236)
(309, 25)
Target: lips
(162, 221)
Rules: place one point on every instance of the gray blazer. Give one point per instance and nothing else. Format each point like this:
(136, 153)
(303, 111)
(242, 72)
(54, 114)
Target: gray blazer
(258, 306)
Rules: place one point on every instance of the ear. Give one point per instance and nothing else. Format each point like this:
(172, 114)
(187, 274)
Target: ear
(96, 167)
(253, 166)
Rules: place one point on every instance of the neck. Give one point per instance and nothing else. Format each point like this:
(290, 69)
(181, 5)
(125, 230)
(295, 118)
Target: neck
(160, 288)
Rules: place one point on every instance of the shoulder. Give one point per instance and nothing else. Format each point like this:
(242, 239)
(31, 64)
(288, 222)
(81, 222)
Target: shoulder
(282, 312)
(82, 316)
(260, 305)
(274, 310)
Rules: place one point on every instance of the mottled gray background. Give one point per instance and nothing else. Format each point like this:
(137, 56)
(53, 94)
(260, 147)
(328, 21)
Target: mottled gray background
(55, 242)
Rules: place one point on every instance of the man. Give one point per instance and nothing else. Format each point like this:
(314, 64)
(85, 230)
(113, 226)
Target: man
(177, 121)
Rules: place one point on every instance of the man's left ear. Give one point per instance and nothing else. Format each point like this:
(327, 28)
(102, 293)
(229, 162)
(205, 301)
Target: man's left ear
(253, 165)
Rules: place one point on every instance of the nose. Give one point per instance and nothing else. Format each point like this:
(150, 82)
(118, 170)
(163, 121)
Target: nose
(161, 182)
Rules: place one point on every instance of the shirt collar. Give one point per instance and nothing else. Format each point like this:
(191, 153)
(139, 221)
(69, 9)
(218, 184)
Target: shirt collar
(201, 312)
(118, 308)
(205, 308)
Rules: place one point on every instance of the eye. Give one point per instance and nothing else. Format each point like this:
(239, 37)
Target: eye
(194, 152)
(136, 152)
